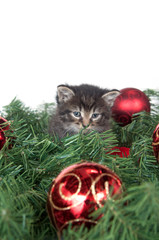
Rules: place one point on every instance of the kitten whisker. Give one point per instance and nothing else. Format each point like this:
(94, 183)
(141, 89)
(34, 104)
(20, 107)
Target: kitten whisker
(69, 131)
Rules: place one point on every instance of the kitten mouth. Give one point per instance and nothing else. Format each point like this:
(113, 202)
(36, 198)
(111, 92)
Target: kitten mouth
(86, 130)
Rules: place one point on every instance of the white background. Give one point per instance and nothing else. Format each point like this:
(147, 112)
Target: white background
(113, 44)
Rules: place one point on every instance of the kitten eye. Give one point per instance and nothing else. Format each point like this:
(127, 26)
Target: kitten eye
(95, 115)
(77, 114)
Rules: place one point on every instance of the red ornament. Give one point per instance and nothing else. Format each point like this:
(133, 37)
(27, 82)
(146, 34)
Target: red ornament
(121, 151)
(130, 101)
(2, 139)
(3, 127)
(3, 124)
(155, 142)
(78, 191)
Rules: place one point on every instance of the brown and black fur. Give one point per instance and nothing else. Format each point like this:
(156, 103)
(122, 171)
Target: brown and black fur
(92, 105)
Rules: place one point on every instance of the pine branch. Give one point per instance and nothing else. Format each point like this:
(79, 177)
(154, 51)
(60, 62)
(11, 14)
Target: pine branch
(31, 158)
(126, 218)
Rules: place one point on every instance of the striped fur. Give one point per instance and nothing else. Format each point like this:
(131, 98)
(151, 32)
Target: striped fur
(85, 106)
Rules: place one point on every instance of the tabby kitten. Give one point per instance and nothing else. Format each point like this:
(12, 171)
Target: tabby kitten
(84, 106)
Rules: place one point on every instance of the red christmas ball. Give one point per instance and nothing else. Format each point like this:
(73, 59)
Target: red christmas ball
(3, 127)
(121, 151)
(3, 124)
(155, 142)
(130, 101)
(78, 191)
(2, 139)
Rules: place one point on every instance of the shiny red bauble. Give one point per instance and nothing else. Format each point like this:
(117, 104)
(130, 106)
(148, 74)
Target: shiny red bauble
(2, 139)
(155, 142)
(78, 191)
(121, 151)
(130, 101)
(3, 127)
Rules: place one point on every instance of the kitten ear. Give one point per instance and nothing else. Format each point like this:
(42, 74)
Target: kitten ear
(64, 94)
(110, 97)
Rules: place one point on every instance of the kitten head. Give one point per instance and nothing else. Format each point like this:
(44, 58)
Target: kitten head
(84, 106)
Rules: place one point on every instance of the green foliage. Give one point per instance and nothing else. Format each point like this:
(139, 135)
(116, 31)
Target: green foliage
(131, 217)
(31, 158)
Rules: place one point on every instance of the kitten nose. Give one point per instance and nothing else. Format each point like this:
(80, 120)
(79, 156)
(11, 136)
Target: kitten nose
(85, 123)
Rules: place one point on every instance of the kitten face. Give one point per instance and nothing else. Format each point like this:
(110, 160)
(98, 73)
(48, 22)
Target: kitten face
(83, 106)
(90, 119)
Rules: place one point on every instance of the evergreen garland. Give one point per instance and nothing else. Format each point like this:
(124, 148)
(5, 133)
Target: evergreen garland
(30, 159)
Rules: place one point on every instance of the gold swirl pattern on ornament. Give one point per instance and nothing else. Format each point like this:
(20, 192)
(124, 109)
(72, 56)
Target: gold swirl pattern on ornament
(157, 135)
(78, 220)
(106, 184)
(155, 144)
(92, 189)
(73, 195)
(68, 198)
